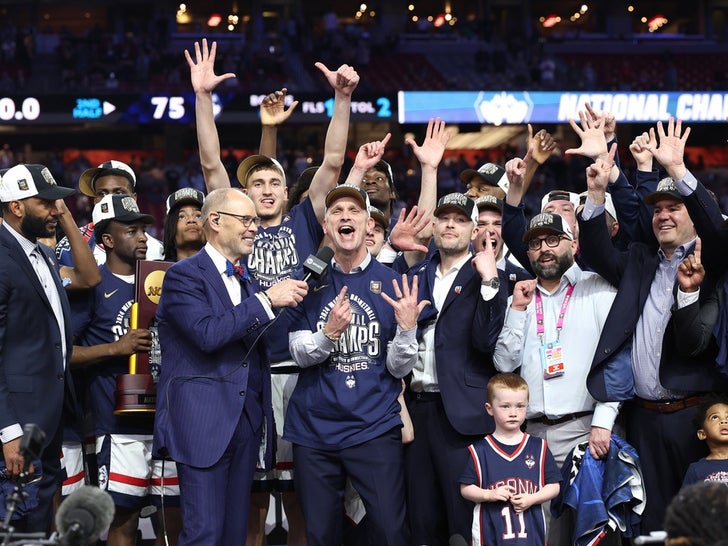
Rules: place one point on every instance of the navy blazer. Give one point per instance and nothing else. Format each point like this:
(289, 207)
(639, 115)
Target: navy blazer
(466, 331)
(632, 271)
(33, 382)
(208, 347)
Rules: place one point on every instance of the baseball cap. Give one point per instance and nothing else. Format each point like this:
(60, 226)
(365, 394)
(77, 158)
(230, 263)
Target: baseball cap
(560, 195)
(492, 174)
(608, 203)
(89, 176)
(348, 190)
(378, 217)
(258, 160)
(119, 207)
(458, 202)
(549, 224)
(489, 202)
(185, 196)
(665, 188)
(30, 180)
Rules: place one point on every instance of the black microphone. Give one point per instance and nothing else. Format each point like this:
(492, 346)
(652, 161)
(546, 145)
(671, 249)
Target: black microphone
(84, 516)
(31, 444)
(457, 540)
(315, 266)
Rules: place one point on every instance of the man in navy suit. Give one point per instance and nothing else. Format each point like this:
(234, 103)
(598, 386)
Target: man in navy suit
(214, 398)
(447, 394)
(35, 329)
(636, 358)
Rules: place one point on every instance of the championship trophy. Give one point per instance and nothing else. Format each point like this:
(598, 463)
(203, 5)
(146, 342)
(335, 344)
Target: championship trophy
(136, 392)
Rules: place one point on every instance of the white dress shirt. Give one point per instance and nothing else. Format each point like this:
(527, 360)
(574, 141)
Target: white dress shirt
(519, 345)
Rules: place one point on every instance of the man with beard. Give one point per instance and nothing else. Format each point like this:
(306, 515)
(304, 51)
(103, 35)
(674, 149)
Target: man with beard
(447, 393)
(35, 330)
(551, 331)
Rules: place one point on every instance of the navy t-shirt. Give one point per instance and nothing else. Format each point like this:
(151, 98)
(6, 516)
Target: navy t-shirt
(351, 397)
(104, 319)
(278, 254)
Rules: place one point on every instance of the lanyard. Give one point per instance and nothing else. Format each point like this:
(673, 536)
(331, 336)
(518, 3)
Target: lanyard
(559, 320)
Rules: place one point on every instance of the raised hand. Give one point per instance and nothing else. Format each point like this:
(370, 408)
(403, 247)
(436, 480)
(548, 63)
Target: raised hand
(597, 174)
(202, 69)
(370, 153)
(484, 260)
(340, 315)
(690, 273)
(671, 150)
(344, 80)
(609, 123)
(406, 307)
(516, 171)
(640, 149)
(523, 294)
(404, 233)
(542, 145)
(273, 109)
(591, 134)
(433, 147)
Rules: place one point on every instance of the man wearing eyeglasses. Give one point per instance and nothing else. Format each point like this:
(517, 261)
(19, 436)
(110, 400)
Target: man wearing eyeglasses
(214, 393)
(551, 329)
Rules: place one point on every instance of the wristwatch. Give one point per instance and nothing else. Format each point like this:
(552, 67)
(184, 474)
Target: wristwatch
(492, 283)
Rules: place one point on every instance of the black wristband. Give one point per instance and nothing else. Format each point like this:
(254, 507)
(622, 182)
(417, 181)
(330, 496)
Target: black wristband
(392, 246)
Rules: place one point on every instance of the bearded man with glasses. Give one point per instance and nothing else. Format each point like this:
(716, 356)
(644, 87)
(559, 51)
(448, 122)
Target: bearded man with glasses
(551, 329)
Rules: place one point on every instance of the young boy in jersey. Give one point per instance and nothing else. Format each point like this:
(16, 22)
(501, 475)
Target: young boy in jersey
(510, 473)
(711, 420)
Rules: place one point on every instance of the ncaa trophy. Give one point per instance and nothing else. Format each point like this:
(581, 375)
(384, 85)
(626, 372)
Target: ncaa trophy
(136, 392)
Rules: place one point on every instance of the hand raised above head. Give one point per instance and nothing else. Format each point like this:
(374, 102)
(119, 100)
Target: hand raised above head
(591, 134)
(542, 144)
(273, 109)
(433, 147)
(202, 68)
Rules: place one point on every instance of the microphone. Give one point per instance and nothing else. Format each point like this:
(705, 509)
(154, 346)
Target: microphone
(84, 516)
(31, 444)
(457, 540)
(315, 266)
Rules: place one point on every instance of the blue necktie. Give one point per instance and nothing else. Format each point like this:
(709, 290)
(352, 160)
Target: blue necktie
(237, 270)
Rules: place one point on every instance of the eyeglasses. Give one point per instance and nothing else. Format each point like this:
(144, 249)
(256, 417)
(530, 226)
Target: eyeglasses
(244, 219)
(550, 240)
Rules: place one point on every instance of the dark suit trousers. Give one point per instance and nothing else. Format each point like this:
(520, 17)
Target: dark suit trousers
(666, 444)
(376, 472)
(215, 500)
(434, 462)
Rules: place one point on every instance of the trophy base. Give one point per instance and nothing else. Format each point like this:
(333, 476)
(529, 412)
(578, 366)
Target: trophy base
(135, 393)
